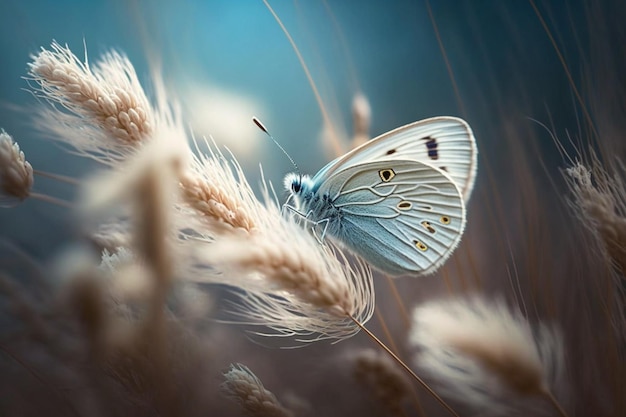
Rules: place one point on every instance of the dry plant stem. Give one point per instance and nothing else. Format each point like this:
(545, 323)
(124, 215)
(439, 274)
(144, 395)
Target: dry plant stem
(52, 200)
(555, 403)
(337, 147)
(446, 280)
(58, 177)
(40, 379)
(472, 263)
(386, 331)
(401, 363)
(568, 74)
(383, 323)
(462, 280)
(398, 298)
(445, 58)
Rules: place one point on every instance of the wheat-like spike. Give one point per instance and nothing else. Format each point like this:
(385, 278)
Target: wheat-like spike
(383, 377)
(107, 112)
(242, 386)
(290, 283)
(213, 187)
(481, 352)
(601, 208)
(16, 173)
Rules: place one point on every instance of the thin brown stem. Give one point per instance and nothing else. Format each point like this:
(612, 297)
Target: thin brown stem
(399, 302)
(404, 365)
(568, 74)
(555, 403)
(58, 177)
(383, 324)
(457, 93)
(337, 147)
(39, 378)
(51, 200)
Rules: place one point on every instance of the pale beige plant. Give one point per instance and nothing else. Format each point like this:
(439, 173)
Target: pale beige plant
(361, 119)
(217, 191)
(108, 118)
(290, 282)
(106, 113)
(599, 200)
(245, 388)
(384, 379)
(487, 355)
(16, 173)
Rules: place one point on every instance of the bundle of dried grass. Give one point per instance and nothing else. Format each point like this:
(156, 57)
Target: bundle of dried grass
(16, 174)
(242, 386)
(487, 356)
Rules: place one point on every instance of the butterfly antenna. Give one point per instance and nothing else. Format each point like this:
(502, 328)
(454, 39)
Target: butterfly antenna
(264, 129)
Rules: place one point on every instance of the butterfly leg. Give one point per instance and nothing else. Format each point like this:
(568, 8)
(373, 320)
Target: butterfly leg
(297, 212)
(323, 222)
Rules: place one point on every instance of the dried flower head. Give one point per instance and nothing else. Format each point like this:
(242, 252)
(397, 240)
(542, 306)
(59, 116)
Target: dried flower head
(217, 192)
(482, 352)
(245, 388)
(16, 174)
(601, 207)
(107, 113)
(383, 377)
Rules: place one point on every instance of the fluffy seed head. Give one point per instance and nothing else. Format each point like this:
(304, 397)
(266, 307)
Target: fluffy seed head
(481, 351)
(16, 174)
(106, 113)
(242, 386)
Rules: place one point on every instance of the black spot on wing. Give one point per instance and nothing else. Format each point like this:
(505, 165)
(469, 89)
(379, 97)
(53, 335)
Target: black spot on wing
(431, 146)
(391, 151)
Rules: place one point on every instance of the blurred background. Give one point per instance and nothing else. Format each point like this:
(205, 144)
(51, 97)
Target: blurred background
(490, 62)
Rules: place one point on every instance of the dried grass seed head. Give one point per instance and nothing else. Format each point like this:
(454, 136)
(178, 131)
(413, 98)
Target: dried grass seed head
(215, 190)
(106, 112)
(482, 351)
(383, 377)
(16, 173)
(601, 206)
(245, 388)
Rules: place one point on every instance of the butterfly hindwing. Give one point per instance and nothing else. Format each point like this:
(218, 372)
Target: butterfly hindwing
(401, 215)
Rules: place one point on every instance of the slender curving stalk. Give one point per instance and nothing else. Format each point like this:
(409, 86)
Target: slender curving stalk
(404, 365)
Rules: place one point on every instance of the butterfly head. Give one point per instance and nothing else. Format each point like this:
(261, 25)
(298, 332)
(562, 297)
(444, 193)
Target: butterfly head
(297, 184)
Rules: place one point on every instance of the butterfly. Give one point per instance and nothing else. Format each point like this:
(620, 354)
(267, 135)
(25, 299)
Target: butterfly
(398, 200)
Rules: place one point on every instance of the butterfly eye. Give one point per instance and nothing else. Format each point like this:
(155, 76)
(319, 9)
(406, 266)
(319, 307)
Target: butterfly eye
(295, 186)
(419, 245)
(445, 220)
(386, 174)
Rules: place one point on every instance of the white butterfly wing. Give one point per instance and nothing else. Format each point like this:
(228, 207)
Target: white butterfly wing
(444, 142)
(403, 217)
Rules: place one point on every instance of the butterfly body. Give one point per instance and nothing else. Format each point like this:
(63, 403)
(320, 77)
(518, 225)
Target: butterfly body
(387, 202)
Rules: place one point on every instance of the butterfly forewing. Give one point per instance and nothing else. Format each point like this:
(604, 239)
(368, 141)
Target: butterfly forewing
(402, 216)
(443, 142)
